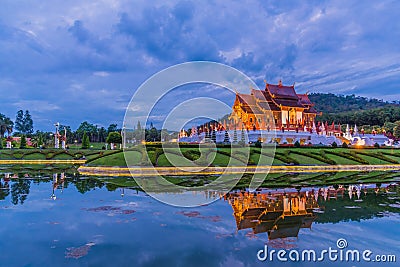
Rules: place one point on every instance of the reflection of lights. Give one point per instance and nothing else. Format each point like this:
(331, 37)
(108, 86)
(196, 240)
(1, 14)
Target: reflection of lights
(53, 197)
(122, 192)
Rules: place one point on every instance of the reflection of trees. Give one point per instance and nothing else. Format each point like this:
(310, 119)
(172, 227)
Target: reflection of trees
(86, 185)
(112, 187)
(5, 190)
(371, 206)
(20, 191)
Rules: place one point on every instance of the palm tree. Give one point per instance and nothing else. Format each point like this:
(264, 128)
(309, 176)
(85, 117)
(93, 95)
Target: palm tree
(6, 125)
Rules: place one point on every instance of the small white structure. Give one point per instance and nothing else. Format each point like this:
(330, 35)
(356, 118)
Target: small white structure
(56, 136)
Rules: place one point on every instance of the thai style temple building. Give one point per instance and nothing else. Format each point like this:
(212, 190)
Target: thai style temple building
(276, 106)
(277, 114)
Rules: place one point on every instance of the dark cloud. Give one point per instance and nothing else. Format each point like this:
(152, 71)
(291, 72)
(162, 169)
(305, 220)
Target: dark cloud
(79, 31)
(88, 58)
(167, 34)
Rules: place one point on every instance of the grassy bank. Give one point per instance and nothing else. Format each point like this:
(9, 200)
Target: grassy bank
(219, 157)
(283, 156)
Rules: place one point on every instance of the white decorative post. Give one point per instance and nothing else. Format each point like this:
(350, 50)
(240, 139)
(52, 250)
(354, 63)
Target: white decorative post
(348, 134)
(314, 128)
(56, 136)
(64, 139)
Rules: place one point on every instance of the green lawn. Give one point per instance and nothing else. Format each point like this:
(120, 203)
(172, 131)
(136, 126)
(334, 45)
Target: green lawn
(301, 156)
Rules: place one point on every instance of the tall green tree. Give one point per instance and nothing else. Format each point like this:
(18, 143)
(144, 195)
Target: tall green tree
(19, 121)
(112, 128)
(85, 141)
(24, 122)
(102, 134)
(87, 127)
(28, 123)
(396, 130)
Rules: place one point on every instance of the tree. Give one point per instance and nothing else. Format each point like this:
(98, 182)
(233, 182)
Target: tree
(6, 125)
(114, 137)
(102, 134)
(85, 141)
(28, 123)
(112, 128)
(19, 121)
(396, 130)
(24, 122)
(87, 127)
(152, 134)
(23, 142)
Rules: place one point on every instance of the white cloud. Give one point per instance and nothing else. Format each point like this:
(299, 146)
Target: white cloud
(36, 105)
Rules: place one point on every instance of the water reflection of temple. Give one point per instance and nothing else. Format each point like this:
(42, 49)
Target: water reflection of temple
(277, 213)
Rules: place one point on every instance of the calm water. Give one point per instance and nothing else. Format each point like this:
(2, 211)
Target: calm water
(84, 222)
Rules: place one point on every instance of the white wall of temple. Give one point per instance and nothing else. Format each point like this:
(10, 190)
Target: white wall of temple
(299, 115)
(287, 137)
(285, 116)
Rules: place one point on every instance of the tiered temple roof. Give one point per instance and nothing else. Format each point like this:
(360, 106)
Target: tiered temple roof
(273, 98)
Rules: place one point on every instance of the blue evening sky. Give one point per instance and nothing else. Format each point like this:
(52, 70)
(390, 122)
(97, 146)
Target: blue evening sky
(71, 61)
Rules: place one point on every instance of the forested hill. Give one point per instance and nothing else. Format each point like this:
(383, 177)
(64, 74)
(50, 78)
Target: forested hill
(331, 103)
(358, 110)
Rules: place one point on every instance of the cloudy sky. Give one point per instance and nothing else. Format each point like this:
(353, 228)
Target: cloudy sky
(71, 61)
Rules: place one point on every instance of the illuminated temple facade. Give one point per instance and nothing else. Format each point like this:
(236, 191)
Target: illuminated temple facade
(276, 106)
(277, 114)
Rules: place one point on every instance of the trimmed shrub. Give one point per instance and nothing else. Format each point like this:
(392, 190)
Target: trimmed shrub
(23, 142)
(258, 144)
